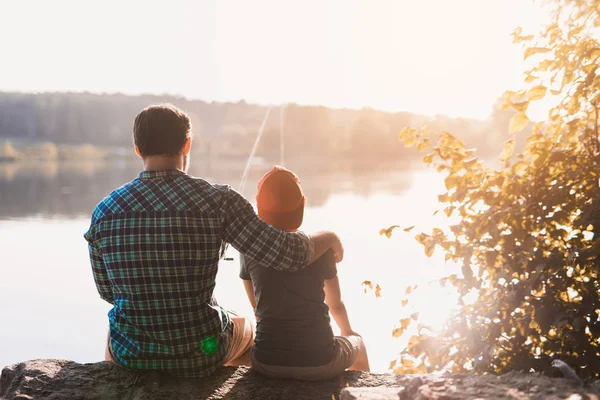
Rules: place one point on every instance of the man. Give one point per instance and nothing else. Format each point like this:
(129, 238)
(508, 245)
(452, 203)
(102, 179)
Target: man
(155, 245)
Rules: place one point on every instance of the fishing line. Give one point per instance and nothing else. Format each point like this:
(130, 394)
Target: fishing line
(281, 110)
(246, 172)
(253, 152)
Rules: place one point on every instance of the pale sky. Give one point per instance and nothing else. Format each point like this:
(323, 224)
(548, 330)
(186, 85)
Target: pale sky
(451, 57)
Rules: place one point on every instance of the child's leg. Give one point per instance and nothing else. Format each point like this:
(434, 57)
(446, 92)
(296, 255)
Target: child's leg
(354, 352)
(362, 360)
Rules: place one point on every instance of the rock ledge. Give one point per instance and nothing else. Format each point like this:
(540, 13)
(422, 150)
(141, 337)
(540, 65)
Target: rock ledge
(62, 379)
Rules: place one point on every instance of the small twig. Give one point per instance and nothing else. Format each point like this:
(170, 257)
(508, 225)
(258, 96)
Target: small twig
(567, 371)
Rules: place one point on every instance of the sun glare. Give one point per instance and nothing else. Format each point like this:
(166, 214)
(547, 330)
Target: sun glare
(431, 57)
(458, 187)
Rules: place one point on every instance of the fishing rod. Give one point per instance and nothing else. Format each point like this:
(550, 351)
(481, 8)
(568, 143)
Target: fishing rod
(246, 172)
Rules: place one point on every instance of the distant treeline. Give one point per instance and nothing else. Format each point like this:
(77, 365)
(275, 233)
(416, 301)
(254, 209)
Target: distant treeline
(230, 128)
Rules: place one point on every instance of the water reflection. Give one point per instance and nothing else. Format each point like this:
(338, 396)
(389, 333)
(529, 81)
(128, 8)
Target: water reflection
(46, 257)
(71, 189)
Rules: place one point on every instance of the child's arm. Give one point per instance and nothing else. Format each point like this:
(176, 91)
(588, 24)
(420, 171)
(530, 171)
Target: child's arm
(333, 298)
(250, 293)
(247, 279)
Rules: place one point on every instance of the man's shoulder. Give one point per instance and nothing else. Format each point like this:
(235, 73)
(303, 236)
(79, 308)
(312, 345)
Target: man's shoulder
(198, 190)
(202, 183)
(110, 204)
(199, 195)
(205, 195)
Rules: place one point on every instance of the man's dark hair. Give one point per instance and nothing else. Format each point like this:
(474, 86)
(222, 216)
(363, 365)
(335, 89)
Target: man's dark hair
(161, 130)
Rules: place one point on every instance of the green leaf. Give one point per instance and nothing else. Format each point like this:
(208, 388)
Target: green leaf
(397, 332)
(450, 182)
(422, 237)
(506, 100)
(508, 151)
(406, 133)
(576, 31)
(388, 231)
(534, 50)
(413, 341)
(521, 107)
(519, 168)
(429, 248)
(518, 122)
(405, 322)
(470, 162)
(410, 142)
(537, 92)
(424, 144)
(530, 78)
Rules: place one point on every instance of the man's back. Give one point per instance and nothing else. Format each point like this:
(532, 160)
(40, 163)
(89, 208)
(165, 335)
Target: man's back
(159, 238)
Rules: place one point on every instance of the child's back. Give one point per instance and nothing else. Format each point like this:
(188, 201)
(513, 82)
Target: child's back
(293, 327)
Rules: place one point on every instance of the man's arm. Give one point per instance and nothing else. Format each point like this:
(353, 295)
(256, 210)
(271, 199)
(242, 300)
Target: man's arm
(337, 308)
(323, 241)
(100, 276)
(268, 246)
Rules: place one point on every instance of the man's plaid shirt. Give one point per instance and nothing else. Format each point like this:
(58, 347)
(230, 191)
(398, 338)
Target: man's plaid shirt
(154, 246)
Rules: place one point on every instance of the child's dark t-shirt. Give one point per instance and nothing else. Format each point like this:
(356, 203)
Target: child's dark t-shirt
(293, 327)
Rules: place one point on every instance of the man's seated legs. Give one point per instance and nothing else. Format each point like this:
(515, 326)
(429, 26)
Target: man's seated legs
(241, 341)
(239, 347)
(107, 351)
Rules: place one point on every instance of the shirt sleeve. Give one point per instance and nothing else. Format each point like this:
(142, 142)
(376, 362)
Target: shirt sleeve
(330, 267)
(99, 272)
(244, 274)
(268, 246)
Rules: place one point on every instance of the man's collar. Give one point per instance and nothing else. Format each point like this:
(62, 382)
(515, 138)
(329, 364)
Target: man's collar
(160, 173)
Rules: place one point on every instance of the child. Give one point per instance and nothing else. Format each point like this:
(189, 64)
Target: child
(293, 337)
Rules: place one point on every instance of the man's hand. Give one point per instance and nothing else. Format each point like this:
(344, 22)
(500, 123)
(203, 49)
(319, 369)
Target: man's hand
(338, 250)
(323, 241)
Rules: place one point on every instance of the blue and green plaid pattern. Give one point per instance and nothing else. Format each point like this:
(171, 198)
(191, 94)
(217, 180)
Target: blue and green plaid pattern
(154, 246)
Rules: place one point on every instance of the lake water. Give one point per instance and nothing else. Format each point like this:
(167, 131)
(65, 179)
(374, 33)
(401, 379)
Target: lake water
(49, 307)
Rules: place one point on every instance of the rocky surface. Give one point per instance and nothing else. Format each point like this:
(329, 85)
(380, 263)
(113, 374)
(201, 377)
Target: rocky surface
(61, 379)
